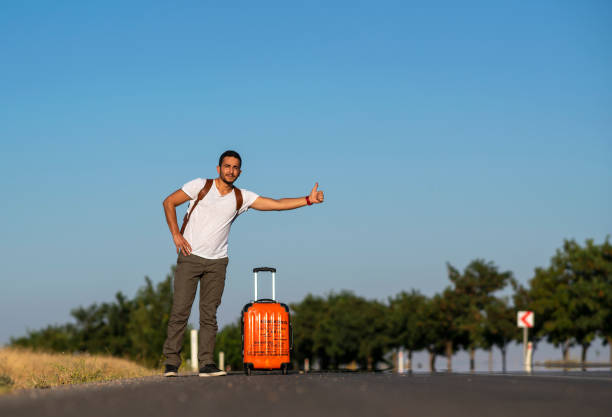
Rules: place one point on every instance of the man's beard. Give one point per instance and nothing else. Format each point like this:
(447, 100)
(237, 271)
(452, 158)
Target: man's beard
(228, 182)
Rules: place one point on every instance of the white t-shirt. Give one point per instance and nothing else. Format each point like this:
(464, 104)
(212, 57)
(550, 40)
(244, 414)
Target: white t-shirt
(208, 228)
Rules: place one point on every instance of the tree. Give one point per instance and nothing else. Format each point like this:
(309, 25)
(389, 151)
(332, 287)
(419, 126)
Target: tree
(499, 327)
(572, 295)
(474, 291)
(407, 321)
(55, 338)
(339, 332)
(306, 318)
(149, 321)
(604, 264)
(351, 329)
(340, 329)
(440, 328)
(229, 341)
(589, 273)
(375, 339)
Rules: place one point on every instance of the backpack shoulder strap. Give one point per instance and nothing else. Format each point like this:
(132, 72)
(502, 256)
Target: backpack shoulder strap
(238, 199)
(201, 195)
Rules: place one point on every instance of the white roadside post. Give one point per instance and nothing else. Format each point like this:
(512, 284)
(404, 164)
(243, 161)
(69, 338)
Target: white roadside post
(400, 360)
(222, 361)
(525, 319)
(194, 350)
(528, 358)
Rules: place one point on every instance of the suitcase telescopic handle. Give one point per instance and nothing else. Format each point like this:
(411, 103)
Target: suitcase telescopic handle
(265, 269)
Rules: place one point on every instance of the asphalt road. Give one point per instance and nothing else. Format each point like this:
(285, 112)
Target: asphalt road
(326, 394)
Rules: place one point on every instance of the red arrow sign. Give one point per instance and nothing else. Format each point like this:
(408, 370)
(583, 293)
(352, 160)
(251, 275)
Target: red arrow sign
(525, 319)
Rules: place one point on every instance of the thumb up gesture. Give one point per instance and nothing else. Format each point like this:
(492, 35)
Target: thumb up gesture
(316, 196)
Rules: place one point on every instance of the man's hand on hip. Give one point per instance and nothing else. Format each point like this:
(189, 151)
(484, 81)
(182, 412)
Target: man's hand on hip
(181, 244)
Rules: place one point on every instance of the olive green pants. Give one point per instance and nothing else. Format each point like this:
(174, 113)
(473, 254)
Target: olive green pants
(190, 270)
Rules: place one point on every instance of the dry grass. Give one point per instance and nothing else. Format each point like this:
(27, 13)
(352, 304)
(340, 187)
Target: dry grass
(21, 369)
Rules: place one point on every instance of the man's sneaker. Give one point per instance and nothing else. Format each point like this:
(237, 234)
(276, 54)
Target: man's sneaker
(211, 370)
(171, 370)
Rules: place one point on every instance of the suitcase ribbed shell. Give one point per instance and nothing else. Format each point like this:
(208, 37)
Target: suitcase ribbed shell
(266, 335)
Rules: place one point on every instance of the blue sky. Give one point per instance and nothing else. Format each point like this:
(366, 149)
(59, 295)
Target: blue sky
(439, 131)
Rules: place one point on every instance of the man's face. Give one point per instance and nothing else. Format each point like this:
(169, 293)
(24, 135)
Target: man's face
(229, 171)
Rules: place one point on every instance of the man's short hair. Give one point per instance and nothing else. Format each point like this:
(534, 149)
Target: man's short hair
(233, 154)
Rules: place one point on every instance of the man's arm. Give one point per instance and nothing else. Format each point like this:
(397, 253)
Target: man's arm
(170, 203)
(267, 204)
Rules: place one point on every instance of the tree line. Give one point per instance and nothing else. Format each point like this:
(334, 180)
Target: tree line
(571, 299)
(129, 328)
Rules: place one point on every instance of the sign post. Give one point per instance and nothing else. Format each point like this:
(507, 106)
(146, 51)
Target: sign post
(525, 319)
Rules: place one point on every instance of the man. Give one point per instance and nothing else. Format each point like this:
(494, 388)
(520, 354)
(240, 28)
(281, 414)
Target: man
(201, 245)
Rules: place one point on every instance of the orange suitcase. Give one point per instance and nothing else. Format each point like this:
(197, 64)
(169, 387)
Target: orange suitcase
(267, 335)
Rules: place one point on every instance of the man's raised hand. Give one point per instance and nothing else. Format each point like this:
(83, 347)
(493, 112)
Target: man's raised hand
(316, 196)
